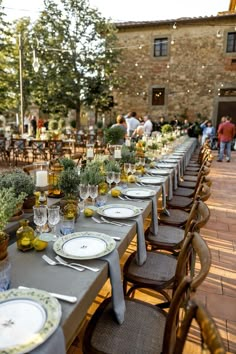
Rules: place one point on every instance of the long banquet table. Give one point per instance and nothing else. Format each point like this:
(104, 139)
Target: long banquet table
(30, 270)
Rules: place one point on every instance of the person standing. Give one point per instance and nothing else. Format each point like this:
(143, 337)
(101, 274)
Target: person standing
(208, 131)
(227, 133)
(132, 123)
(147, 125)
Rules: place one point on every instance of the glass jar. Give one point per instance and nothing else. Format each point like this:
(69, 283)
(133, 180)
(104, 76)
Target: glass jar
(25, 236)
(5, 276)
(54, 174)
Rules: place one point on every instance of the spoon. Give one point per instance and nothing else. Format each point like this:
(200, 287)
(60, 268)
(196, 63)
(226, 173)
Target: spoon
(53, 263)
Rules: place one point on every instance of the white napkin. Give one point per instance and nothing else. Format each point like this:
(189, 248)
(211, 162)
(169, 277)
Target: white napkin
(163, 186)
(118, 301)
(170, 187)
(141, 255)
(154, 222)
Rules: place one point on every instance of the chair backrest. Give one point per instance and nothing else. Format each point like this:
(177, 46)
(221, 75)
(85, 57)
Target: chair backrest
(210, 337)
(203, 192)
(185, 286)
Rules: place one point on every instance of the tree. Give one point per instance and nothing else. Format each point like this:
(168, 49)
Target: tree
(77, 63)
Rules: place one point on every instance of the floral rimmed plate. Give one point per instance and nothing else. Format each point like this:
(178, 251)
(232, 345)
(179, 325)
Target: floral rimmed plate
(84, 245)
(152, 180)
(27, 318)
(159, 171)
(138, 192)
(119, 211)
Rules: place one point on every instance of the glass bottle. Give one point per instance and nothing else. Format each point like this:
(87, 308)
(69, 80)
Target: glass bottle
(25, 236)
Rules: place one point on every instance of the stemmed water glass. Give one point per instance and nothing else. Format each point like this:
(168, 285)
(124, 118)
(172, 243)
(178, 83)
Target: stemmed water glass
(127, 168)
(110, 178)
(83, 192)
(40, 216)
(117, 178)
(132, 168)
(93, 192)
(53, 216)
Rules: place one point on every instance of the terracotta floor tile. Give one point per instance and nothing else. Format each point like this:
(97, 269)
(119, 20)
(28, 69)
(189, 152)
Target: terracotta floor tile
(230, 236)
(229, 286)
(231, 331)
(222, 306)
(215, 225)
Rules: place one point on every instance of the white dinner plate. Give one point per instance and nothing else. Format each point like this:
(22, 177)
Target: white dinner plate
(152, 180)
(84, 245)
(119, 211)
(159, 171)
(138, 192)
(27, 318)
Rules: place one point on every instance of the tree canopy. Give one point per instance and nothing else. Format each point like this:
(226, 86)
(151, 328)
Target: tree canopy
(76, 50)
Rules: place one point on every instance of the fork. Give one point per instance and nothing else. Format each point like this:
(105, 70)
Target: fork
(117, 223)
(62, 261)
(53, 263)
(104, 221)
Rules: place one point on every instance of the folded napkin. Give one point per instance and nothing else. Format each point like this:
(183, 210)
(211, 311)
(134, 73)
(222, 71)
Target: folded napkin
(141, 255)
(154, 222)
(118, 301)
(170, 187)
(163, 186)
(54, 344)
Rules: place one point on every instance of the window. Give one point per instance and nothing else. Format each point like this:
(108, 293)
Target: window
(158, 96)
(160, 47)
(231, 42)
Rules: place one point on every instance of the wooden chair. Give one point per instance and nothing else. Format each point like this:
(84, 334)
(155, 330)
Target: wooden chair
(19, 150)
(39, 150)
(162, 271)
(210, 337)
(146, 328)
(170, 238)
(4, 152)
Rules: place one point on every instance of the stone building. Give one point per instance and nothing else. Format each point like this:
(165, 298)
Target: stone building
(183, 67)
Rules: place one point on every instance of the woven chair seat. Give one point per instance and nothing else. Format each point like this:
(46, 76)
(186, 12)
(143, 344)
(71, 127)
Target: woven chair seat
(191, 173)
(187, 184)
(194, 164)
(180, 202)
(141, 332)
(167, 235)
(184, 192)
(159, 269)
(190, 178)
(194, 169)
(176, 218)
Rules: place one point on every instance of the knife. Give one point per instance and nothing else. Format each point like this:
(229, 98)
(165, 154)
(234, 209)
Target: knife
(67, 298)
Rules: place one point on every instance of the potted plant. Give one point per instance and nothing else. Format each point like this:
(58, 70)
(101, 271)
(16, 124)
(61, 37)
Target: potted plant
(166, 128)
(67, 163)
(68, 183)
(113, 135)
(8, 205)
(92, 174)
(20, 182)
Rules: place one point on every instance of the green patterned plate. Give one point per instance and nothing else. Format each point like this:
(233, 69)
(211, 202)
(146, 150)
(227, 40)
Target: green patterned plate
(84, 245)
(27, 318)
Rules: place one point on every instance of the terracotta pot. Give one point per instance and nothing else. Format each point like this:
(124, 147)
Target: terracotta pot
(4, 240)
(28, 204)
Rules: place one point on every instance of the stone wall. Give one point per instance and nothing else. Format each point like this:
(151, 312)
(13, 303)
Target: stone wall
(196, 68)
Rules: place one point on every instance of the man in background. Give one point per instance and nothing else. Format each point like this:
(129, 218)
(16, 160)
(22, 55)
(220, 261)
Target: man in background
(227, 133)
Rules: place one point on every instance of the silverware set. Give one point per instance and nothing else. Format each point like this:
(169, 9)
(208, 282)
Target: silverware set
(73, 265)
(105, 221)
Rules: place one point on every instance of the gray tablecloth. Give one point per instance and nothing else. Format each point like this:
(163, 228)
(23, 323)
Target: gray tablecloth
(54, 344)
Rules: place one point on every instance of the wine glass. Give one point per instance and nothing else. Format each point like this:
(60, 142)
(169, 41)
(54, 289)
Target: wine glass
(110, 178)
(127, 168)
(40, 216)
(53, 216)
(93, 192)
(142, 161)
(132, 168)
(117, 178)
(83, 192)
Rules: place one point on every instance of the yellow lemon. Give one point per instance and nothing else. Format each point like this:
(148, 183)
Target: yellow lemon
(39, 245)
(115, 193)
(25, 241)
(131, 179)
(88, 212)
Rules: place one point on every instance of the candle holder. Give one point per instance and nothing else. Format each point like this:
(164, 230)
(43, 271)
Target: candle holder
(90, 151)
(117, 152)
(43, 196)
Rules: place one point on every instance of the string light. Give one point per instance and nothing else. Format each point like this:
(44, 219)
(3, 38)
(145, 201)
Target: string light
(174, 26)
(172, 42)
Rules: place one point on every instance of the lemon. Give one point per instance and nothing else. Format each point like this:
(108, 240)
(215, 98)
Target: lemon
(115, 193)
(25, 241)
(39, 245)
(131, 179)
(88, 212)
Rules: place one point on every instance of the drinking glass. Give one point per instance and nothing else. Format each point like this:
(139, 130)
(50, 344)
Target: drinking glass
(142, 161)
(127, 168)
(93, 193)
(67, 225)
(117, 178)
(40, 216)
(110, 178)
(53, 216)
(132, 168)
(83, 193)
